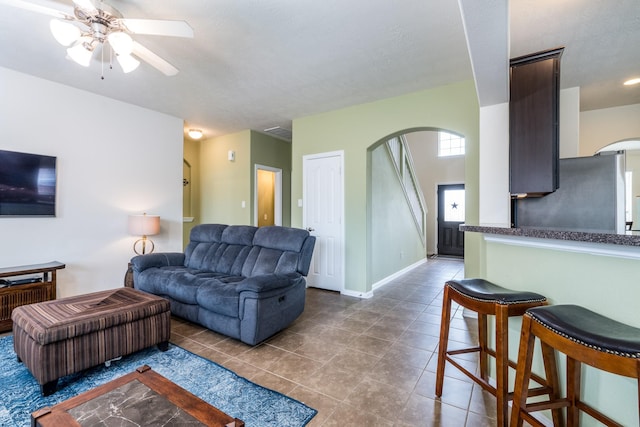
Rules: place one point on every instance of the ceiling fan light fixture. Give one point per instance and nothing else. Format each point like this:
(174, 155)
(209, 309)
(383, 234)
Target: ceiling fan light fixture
(81, 52)
(121, 42)
(195, 133)
(127, 62)
(65, 33)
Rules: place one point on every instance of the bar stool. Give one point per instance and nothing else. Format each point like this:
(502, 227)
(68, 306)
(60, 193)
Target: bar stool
(488, 299)
(584, 337)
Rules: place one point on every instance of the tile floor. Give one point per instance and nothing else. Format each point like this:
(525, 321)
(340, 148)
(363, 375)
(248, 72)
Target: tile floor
(362, 362)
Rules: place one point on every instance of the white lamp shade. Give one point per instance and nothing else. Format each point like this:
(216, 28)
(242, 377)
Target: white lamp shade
(120, 42)
(65, 33)
(80, 54)
(127, 62)
(144, 225)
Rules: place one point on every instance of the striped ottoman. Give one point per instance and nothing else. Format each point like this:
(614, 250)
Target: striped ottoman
(64, 336)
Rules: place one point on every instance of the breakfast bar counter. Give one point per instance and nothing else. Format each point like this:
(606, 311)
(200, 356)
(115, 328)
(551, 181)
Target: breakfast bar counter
(599, 271)
(629, 238)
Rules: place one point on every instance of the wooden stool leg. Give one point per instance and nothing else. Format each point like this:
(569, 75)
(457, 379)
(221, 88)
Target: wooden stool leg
(553, 382)
(444, 338)
(573, 391)
(482, 343)
(502, 363)
(523, 372)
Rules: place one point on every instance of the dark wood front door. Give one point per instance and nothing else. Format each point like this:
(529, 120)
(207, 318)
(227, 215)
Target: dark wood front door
(450, 216)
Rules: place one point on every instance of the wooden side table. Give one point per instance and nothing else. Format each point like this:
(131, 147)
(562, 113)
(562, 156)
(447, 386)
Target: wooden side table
(16, 291)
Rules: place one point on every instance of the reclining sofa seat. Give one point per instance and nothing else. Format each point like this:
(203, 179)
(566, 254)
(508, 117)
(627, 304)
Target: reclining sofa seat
(241, 281)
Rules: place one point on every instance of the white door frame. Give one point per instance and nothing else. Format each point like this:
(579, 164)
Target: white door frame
(305, 209)
(277, 202)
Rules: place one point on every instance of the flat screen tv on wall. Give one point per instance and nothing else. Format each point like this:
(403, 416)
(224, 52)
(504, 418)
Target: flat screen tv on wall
(27, 184)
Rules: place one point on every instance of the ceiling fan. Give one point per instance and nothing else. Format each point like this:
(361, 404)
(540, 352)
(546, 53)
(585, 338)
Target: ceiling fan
(95, 24)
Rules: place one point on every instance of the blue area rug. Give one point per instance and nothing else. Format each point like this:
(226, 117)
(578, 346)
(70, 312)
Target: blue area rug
(232, 394)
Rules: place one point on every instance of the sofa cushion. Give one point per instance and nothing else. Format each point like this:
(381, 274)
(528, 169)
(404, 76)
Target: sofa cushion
(220, 296)
(177, 282)
(219, 248)
(282, 238)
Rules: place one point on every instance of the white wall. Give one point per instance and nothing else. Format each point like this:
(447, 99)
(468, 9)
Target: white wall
(113, 159)
(494, 204)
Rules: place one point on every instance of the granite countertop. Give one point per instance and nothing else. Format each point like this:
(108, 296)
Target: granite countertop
(629, 238)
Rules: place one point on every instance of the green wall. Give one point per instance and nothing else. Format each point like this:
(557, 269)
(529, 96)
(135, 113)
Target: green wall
(276, 153)
(223, 185)
(355, 128)
(226, 184)
(396, 242)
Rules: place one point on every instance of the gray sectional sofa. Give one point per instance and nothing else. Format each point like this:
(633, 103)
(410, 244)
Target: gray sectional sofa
(241, 281)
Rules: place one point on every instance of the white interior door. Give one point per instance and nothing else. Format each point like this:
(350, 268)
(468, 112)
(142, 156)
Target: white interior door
(323, 213)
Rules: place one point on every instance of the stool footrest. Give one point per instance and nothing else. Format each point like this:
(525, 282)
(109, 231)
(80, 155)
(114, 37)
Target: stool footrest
(464, 350)
(482, 383)
(541, 406)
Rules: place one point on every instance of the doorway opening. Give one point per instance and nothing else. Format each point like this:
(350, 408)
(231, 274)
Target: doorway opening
(268, 194)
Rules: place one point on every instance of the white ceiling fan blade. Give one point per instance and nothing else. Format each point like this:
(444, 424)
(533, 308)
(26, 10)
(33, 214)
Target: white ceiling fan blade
(85, 4)
(32, 7)
(153, 59)
(158, 27)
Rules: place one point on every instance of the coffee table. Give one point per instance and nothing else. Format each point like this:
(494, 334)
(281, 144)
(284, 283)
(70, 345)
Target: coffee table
(143, 397)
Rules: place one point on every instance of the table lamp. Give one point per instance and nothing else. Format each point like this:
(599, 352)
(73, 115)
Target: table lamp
(144, 225)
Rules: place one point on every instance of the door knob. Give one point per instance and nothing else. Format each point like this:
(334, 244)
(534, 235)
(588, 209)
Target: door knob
(309, 229)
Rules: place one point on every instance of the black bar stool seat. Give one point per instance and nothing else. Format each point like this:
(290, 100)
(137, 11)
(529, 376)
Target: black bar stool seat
(489, 299)
(584, 337)
(483, 290)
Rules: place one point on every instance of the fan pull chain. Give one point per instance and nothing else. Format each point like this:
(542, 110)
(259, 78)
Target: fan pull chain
(102, 63)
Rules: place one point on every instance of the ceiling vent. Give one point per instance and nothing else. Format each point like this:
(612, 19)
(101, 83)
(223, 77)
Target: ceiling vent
(279, 132)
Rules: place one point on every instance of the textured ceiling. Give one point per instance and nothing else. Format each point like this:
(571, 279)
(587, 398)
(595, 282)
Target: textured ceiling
(257, 64)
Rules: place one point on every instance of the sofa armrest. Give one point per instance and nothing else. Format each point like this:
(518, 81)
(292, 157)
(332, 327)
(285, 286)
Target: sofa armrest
(269, 282)
(161, 259)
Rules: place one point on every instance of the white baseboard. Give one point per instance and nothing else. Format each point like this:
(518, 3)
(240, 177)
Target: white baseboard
(381, 283)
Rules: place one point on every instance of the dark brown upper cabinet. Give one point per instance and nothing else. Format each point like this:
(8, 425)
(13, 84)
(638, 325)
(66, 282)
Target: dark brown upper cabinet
(534, 123)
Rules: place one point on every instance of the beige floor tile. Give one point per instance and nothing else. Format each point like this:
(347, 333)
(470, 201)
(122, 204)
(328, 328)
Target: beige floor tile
(273, 382)
(333, 382)
(409, 356)
(400, 376)
(346, 415)
(295, 367)
(262, 356)
(355, 361)
(370, 345)
(287, 340)
(378, 398)
(423, 411)
(320, 350)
